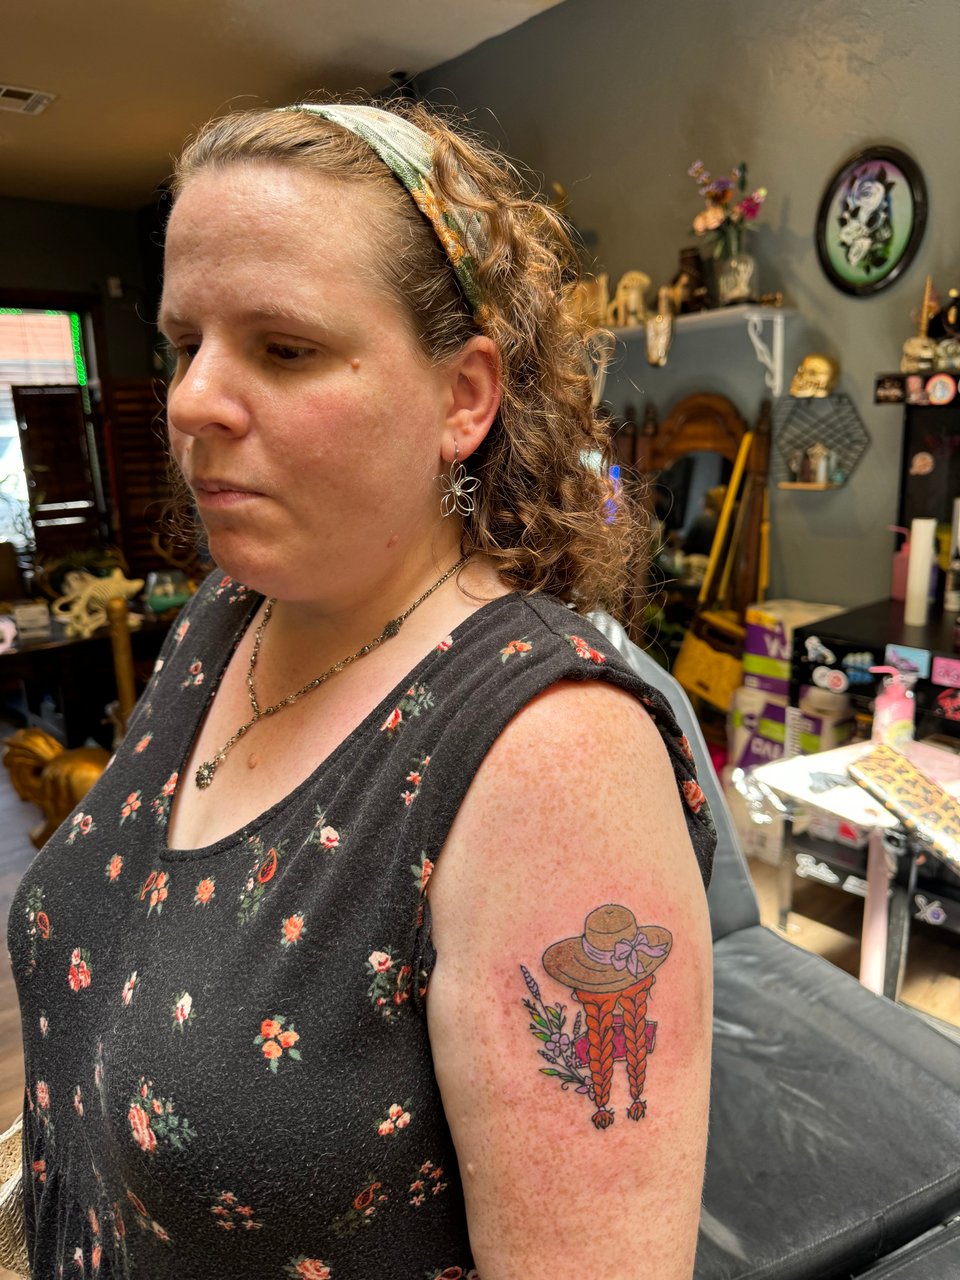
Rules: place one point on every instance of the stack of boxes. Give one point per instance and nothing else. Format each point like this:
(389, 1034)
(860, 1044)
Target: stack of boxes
(762, 724)
(762, 721)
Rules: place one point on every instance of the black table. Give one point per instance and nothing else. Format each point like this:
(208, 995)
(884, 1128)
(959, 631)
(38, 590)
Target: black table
(75, 676)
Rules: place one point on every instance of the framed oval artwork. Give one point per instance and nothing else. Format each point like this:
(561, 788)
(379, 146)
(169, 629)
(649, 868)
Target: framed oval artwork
(871, 220)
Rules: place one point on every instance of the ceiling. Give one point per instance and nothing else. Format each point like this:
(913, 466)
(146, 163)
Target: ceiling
(134, 77)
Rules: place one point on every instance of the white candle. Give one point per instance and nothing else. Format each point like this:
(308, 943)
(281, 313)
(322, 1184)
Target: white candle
(918, 572)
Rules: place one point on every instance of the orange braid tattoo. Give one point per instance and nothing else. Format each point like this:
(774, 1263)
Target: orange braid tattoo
(598, 1014)
(634, 1005)
(609, 969)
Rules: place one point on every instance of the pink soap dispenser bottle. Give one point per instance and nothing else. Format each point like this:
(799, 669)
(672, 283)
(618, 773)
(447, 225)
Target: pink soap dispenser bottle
(893, 710)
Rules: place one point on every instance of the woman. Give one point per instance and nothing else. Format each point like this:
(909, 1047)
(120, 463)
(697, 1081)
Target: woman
(387, 805)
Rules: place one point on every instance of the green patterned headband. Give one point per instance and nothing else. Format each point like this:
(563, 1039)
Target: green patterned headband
(408, 152)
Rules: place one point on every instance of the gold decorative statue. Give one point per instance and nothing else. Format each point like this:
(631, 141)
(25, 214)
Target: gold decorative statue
(47, 775)
(920, 353)
(816, 377)
(590, 299)
(628, 308)
(659, 333)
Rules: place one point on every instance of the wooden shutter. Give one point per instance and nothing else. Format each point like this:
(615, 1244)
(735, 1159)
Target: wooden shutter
(56, 441)
(136, 448)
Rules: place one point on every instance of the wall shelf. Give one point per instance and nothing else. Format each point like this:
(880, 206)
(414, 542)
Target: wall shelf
(833, 423)
(754, 319)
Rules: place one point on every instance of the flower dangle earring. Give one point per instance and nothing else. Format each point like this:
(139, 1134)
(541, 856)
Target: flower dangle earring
(458, 488)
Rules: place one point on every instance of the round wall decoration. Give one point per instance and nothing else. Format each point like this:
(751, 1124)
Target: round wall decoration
(871, 220)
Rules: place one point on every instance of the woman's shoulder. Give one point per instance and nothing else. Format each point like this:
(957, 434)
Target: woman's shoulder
(527, 630)
(581, 709)
(541, 635)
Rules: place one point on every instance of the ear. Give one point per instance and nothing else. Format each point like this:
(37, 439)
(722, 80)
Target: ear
(474, 382)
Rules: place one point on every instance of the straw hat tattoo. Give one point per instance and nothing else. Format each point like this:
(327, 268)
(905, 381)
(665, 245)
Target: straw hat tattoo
(611, 954)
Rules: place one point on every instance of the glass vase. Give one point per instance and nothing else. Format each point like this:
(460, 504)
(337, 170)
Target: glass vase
(735, 279)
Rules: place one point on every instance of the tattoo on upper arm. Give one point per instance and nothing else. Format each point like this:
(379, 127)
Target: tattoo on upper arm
(610, 970)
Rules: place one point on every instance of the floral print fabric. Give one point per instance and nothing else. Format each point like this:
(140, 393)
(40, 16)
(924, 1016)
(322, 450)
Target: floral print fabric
(228, 1067)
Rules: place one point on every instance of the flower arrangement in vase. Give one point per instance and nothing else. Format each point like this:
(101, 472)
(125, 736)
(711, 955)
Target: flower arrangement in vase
(728, 216)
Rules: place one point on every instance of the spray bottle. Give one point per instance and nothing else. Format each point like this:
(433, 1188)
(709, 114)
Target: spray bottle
(893, 709)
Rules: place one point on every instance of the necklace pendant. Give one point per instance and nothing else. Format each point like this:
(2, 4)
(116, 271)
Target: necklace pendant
(204, 775)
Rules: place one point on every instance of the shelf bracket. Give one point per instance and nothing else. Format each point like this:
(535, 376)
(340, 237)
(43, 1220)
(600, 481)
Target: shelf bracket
(770, 357)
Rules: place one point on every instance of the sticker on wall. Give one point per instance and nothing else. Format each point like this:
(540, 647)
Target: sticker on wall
(929, 912)
(817, 652)
(830, 678)
(888, 389)
(810, 869)
(912, 662)
(946, 671)
(921, 464)
(948, 704)
(854, 884)
(857, 666)
(941, 388)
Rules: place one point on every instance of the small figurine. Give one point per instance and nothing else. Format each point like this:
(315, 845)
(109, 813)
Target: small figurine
(590, 299)
(919, 353)
(947, 357)
(659, 335)
(816, 377)
(797, 465)
(819, 457)
(696, 295)
(628, 309)
(84, 603)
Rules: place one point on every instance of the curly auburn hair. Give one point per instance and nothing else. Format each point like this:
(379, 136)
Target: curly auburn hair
(543, 512)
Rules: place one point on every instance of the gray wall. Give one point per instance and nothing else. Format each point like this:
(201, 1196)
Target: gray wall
(615, 99)
(71, 247)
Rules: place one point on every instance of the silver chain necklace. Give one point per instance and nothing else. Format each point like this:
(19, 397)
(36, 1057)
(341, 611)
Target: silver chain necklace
(206, 771)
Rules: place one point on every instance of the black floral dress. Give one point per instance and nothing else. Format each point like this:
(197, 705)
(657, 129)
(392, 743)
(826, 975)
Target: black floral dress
(227, 1061)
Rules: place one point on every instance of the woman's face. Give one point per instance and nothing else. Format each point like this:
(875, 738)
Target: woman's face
(303, 414)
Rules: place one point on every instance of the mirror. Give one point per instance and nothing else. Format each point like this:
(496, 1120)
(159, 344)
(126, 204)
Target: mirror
(686, 501)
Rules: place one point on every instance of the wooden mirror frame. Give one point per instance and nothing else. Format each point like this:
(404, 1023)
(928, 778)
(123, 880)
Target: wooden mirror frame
(697, 423)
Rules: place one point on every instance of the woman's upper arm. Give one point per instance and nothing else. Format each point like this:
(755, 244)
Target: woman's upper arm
(580, 1126)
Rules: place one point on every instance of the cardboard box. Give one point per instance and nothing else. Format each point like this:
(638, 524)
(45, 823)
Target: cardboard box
(32, 618)
(768, 646)
(763, 726)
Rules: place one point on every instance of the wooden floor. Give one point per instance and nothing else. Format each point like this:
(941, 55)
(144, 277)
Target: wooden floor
(824, 921)
(829, 921)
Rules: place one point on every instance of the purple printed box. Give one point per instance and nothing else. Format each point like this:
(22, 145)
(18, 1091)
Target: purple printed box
(777, 688)
(762, 728)
(768, 645)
